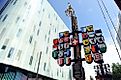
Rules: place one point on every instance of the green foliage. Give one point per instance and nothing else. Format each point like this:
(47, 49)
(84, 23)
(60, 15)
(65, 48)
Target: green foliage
(116, 71)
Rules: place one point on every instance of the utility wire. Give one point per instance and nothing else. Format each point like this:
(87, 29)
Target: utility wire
(110, 19)
(108, 28)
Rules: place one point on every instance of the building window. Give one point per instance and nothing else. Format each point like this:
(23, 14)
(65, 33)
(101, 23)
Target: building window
(5, 44)
(44, 66)
(37, 32)
(40, 23)
(30, 39)
(45, 37)
(48, 40)
(70, 77)
(2, 32)
(19, 32)
(49, 32)
(56, 18)
(62, 74)
(31, 59)
(25, 3)
(49, 16)
(5, 17)
(57, 72)
(55, 30)
(47, 50)
(15, 2)
(10, 52)
(1, 17)
(18, 55)
(43, 9)
(17, 19)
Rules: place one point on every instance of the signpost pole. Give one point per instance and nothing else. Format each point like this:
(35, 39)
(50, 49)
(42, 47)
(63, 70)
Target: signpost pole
(78, 70)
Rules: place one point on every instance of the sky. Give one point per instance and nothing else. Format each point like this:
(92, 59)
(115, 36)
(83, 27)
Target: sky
(88, 12)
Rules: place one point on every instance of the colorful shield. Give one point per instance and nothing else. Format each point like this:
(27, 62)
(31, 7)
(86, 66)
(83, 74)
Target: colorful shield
(89, 28)
(86, 42)
(61, 40)
(98, 32)
(61, 34)
(55, 47)
(100, 39)
(87, 50)
(60, 61)
(55, 42)
(61, 46)
(68, 61)
(55, 54)
(102, 47)
(84, 35)
(74, 41)
(88, 58)
(94, 48)
(91, 34)
(98, 58)
(92, 40)
(67, 53)
(66, 46)
(66, 34)
(61, 54)
(83, 29)
(66, 39)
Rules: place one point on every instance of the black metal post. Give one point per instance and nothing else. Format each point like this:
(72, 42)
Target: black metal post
(78, 70)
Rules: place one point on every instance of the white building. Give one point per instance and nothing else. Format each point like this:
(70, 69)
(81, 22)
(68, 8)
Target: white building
(27, 30)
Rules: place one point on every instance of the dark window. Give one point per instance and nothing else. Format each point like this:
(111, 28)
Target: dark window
(15, 2)
(19, 32)
(30, 39)
(45, 37)
(48, 40)
(44, 66)
(31, 59)
(70, 77)
(17, 19)
(10, 52)
(55, 29)
(5, 44)
(46, 50)
(62, 73)
(57, 72)
(49, 32)
(56, 18)
(5, 17)
(3, 47)
(1, 17)
(40, 23)
(37, 32)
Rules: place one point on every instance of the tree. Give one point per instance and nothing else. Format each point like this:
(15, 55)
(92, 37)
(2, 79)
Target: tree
(116, 71)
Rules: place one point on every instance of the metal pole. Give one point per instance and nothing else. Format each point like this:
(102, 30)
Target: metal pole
(77, 49)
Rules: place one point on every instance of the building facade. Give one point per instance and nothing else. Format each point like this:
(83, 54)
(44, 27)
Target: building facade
(27, 30)
(119, 30)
